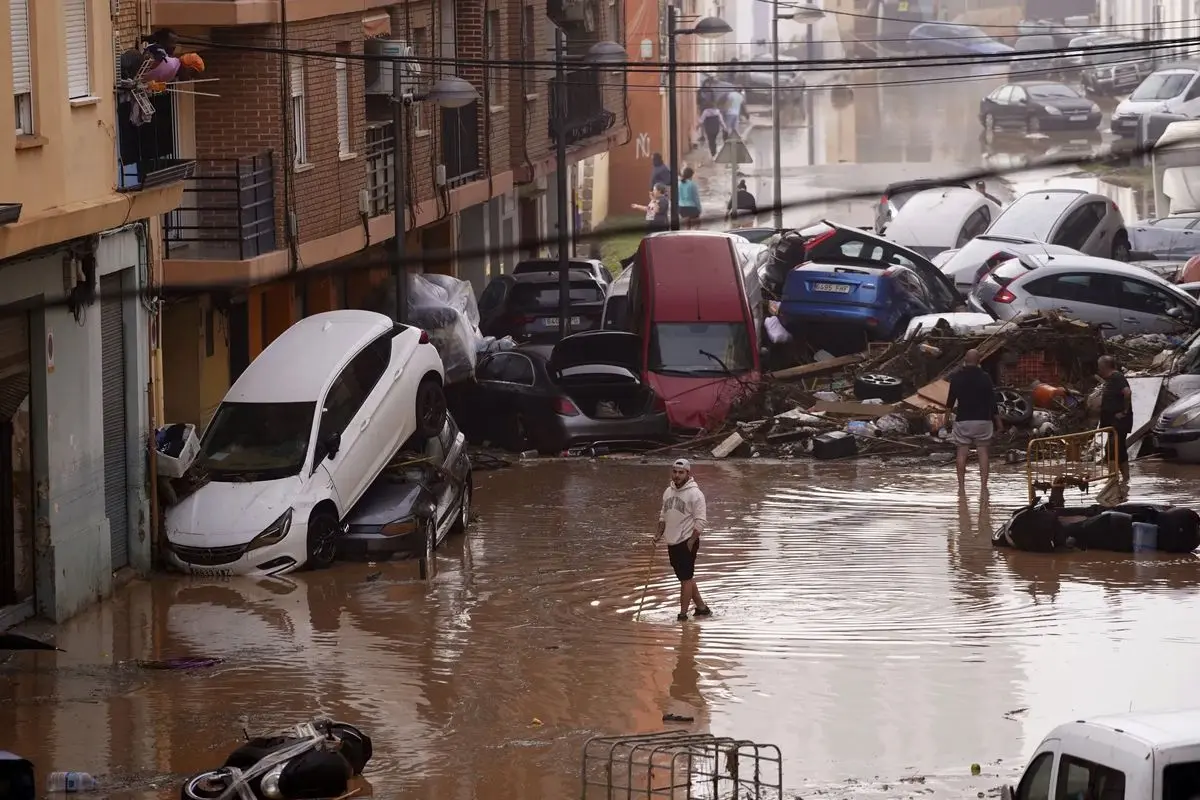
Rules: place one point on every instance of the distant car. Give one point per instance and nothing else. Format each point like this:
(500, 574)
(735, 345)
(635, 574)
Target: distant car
(429, 498)
(897, 194)
(1043, 65)
(1171, 237)
(1038, 106)
(1177, 430)
(1122, 299)
(948, 39)
(936, 220)
(974, 259)
(584, 390)
(1089, 223)
(754, 235)
(1076, 55)
(1171, 89)
(526, 306)
(1114, 67)
(532, 265)
(299, 438)
(757, 84)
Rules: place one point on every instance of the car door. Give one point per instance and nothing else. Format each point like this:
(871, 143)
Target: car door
(1004, 113)
(1146, 308)
(1085, 296)
(1078, 229)
(491, 303)
(342, 445)
(1036, 782)
(1190, 105)
(507, 377)
(1163, 237)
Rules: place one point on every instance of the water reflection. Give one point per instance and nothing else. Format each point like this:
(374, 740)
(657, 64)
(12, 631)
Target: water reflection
(863, 623)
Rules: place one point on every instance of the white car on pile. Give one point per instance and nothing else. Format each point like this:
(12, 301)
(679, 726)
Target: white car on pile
(299, 438)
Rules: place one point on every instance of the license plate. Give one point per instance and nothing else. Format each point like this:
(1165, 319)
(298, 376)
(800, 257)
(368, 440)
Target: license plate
(1078, 118)
(552, 322)
(211, 572)
(837, 288)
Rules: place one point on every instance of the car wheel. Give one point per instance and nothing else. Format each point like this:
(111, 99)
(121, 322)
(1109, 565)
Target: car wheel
(1033, 126)
(431, 408)
(876, 386)
(989, 124)
(464, 509)
(1121, 249)
(1013, 407)
(206, 785)
(322, 539)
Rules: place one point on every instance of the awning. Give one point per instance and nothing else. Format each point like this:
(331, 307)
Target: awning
(376, 25)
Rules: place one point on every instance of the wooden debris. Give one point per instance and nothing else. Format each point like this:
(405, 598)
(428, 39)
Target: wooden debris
(819, 367)
(733, 442)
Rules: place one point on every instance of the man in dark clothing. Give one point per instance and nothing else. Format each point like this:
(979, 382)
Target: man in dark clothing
(660, 171)
(742, 208)
(1116, 410)
(972, 402)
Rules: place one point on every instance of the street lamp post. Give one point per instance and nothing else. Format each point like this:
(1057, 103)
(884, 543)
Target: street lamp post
(708, 28)
(809, 14)
(449, 92)
(600, 54)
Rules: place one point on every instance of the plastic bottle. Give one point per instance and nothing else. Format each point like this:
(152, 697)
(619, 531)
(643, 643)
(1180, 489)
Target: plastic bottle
(71, 782)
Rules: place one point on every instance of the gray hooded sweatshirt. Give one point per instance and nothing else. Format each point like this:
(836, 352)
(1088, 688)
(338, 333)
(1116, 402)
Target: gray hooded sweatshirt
(683, 511)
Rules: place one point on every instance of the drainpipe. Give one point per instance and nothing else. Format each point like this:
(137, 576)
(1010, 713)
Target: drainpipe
(145, 282)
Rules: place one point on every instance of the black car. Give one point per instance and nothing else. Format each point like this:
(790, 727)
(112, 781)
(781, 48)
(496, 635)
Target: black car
(1044, 65)
(584, 390)
(1037, 106)
(592, 265)
(525, 306)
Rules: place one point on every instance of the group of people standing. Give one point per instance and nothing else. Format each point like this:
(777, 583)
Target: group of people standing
(742, 209)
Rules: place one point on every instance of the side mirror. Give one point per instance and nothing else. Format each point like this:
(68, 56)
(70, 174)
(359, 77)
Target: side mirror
(1175, 312)
(332, 444)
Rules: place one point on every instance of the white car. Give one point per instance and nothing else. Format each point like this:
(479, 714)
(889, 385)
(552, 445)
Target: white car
(935, 220)
(299, 438)
(966, 265)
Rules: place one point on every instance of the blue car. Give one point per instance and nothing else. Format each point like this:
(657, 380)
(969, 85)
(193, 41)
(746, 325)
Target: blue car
(947, 39)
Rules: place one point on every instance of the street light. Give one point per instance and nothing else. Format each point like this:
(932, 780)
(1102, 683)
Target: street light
(707, 28)
(449, 92)
(599, 54)
(807, 14)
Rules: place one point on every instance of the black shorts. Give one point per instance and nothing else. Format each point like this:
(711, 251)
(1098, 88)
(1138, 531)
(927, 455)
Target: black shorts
(689, 212)
(683, 559)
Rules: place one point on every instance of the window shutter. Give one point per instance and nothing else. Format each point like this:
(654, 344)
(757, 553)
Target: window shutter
(342, 75)
(18, 13)
(296, 77)
(75, 42)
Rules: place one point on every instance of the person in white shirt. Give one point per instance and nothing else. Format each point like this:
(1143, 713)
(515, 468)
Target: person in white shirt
(682, 519)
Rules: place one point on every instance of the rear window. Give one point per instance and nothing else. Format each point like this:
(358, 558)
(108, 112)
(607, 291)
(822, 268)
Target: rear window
(1008, 272)
(1181, 781)
(1032, 215)
(531, 296)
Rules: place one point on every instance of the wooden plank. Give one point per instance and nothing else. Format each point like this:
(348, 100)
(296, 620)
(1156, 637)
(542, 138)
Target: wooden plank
(731, 443)
(846, 408)
(931, 395)
(819, 367)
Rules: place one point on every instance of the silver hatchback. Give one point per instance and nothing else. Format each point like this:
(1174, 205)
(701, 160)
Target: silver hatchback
(1083, 221)
(1122, 299)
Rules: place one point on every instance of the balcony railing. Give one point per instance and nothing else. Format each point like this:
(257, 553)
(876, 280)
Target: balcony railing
(146, 152)
(585, 115)
(381, 161)
(460, 144)
(228, 211)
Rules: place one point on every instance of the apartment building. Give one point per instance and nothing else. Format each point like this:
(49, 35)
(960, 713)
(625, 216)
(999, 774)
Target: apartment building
(291, 208)
(79, 233)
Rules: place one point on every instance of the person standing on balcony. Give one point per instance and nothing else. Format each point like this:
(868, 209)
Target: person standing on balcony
(688, 197)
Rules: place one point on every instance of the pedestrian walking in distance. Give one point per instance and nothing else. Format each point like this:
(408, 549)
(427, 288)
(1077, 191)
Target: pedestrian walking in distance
(1116, 411)
(972, 402)
(712, 124)
(682, 519)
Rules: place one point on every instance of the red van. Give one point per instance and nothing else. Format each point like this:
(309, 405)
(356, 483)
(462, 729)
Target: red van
(694, 300)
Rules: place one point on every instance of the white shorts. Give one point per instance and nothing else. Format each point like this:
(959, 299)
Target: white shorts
(973, 433)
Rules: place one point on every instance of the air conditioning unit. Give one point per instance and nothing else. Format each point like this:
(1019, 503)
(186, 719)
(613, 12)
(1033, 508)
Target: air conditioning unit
(378, 73)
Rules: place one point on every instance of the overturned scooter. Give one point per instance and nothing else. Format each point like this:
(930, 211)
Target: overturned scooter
(310, 761)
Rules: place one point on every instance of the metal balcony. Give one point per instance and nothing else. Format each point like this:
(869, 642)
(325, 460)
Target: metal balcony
(380, 158)
(586, 115)
(228, 211)
(460, 144)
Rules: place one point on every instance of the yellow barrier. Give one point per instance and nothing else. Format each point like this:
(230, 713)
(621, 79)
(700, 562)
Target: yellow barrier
(1080, 460)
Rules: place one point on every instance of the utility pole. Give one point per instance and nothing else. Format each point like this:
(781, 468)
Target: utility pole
(672, 115)
(561, 189)
(776, 120)
(399, 189)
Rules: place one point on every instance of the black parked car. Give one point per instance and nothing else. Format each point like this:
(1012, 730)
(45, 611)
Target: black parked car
(525, 306)
(1043, 66)
(593, 266)
(584, 390)
(1036, 106)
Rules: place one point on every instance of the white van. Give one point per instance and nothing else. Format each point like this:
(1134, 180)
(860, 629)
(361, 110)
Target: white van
(1174, 89)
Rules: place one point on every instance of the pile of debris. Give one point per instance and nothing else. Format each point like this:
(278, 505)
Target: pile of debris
(890, 401)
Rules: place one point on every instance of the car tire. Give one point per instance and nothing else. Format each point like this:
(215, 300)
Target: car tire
(321, 539)
(1121, 249)
(431, 408)
(464, 508)
(1013, 407)
(876, 386)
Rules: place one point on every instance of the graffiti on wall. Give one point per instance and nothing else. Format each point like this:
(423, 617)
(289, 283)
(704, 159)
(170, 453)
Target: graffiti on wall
(642, 146)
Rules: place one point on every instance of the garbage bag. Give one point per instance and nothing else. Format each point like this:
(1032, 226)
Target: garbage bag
(786, 252)
(1034, 529)
(445, 308)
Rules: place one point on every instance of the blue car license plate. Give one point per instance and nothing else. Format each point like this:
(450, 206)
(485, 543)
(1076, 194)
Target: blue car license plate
(836, 288)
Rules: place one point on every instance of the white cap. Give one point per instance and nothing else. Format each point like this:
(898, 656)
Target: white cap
(682, 463)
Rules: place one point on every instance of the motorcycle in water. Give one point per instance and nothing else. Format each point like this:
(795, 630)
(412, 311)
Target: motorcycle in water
(309, 761)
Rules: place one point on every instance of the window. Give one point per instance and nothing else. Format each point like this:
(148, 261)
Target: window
(299, 126)
(1035, 784)
(18, 15)
(507, 368)
(1003, 95)
(528, 50)
(1175, 222)
(976, 224)
(534, 296)
(495, 54)
(77, 47)
(352, 387)
(492, 295)
(1018, 94)
(342, 87)
(1181, 781)
(1079, 225)
(256, 441)
(1146, 299)
(689, 348)
(1071, 288)
(1085, 780)
(858, 249)
(420, 49)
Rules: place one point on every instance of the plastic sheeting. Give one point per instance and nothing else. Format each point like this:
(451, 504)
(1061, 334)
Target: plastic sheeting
(445, 308)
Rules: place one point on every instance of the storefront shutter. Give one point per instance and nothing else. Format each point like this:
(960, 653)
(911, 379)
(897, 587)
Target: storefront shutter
(116, 465)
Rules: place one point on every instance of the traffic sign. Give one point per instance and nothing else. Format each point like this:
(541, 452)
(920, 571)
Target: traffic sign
(734, 151)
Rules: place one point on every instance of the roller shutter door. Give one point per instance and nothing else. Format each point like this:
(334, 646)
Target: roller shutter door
(116, 465)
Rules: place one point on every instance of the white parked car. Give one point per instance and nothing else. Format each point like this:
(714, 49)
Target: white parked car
(299, 438)
(1083, 221)
(966, 265)
(935, 220)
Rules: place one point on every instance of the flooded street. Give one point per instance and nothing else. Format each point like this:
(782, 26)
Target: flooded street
(863, 623)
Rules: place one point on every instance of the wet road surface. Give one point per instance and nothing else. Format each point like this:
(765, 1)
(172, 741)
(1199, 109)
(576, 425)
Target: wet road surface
(863, 624)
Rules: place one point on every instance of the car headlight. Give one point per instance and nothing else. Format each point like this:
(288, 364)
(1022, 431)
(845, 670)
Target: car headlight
(275, 532)
(1052, 111)
(1186, 418)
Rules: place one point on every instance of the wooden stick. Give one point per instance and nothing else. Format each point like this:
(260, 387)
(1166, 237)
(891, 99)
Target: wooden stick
(350, 793)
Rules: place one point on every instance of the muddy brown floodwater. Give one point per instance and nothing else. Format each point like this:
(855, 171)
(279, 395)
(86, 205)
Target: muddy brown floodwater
(863, 624)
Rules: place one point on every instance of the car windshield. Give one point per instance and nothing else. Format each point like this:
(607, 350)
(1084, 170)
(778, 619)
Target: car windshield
(700, 348)
(1110, 56)
(543, 296)
(1052, 91)
(256, 441)
(1163, 86)
(1033, 215)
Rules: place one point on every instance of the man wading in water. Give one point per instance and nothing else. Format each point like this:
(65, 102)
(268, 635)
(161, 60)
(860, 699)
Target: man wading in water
(681, 520)
(972, 401)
